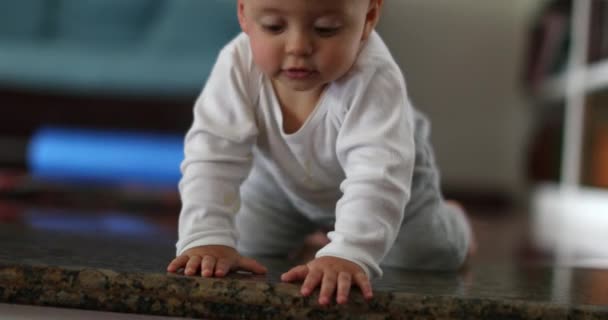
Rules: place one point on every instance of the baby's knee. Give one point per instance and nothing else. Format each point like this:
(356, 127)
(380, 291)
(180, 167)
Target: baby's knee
(439, 255)
(458, 236)
(448, 256)
(429, 257)
(435, 240)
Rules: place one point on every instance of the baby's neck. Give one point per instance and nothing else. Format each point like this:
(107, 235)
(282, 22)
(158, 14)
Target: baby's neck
(296, 106)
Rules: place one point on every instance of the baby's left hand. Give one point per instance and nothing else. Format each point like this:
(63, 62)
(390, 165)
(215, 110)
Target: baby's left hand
(330, 273)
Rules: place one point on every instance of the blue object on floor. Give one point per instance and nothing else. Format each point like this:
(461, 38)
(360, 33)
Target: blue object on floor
(106, 156)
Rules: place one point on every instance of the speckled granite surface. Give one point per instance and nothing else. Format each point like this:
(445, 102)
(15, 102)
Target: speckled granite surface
(104, 271)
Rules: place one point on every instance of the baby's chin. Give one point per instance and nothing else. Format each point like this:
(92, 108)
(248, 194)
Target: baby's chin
(312, 83)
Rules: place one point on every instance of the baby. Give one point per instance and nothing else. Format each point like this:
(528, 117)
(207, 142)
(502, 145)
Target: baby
(305, 123)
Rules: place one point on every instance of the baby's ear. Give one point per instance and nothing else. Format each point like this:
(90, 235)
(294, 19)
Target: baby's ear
(372, 17)
(241, 14)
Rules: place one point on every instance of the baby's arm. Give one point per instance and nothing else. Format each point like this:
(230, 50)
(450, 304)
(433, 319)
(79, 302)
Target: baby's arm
(218, 157)
(376, 149)
(213, 260)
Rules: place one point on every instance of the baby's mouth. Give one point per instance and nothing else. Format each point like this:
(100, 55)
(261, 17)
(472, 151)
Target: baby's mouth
(298, 73)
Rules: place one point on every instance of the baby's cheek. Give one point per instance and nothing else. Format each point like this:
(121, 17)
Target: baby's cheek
(338, 61)
(265, 58)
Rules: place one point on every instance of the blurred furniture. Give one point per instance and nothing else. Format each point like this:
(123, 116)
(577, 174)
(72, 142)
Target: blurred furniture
(135, 47)
(107, 63)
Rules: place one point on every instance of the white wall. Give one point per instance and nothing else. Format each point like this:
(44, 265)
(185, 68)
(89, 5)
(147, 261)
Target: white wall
(463, 60)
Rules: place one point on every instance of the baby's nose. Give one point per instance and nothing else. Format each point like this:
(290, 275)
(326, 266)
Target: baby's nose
(300, 44)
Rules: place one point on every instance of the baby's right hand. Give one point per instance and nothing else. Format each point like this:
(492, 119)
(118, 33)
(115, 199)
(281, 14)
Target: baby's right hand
(214, 260)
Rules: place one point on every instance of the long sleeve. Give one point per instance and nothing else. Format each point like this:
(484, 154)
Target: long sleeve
(218, 153)
(376, 149)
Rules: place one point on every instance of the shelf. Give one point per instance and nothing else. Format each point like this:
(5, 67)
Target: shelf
(595, 77)
(569, 219)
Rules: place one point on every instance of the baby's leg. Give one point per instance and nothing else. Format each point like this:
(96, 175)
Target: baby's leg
(267, 223)
(437, 238)
(434, 234)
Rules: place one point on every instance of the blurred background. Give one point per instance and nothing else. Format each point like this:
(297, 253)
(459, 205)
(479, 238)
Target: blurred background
(96, 95)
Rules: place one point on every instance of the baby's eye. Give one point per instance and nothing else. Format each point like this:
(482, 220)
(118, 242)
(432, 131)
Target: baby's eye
(273, 28)
(326, 31)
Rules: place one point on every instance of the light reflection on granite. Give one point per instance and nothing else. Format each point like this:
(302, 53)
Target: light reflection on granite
(127, 275)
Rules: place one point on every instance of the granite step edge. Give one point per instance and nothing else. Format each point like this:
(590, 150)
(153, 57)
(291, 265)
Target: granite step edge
(243, 298)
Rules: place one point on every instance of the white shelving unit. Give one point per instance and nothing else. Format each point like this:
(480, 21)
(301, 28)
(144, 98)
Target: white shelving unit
(596, 78)
(569, 219)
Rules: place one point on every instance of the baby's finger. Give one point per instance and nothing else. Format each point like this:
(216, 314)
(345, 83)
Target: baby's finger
(311, 282)
(344, 284)
(193, 264)
(363, 282)
(328, 287)
(296, 273)
(222, 267)
(177, 263)
(208, 266)
(251, 265)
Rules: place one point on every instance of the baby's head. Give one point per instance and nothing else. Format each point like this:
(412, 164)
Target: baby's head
(306, 44)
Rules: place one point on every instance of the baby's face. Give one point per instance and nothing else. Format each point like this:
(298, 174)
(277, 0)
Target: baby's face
(305, 44)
